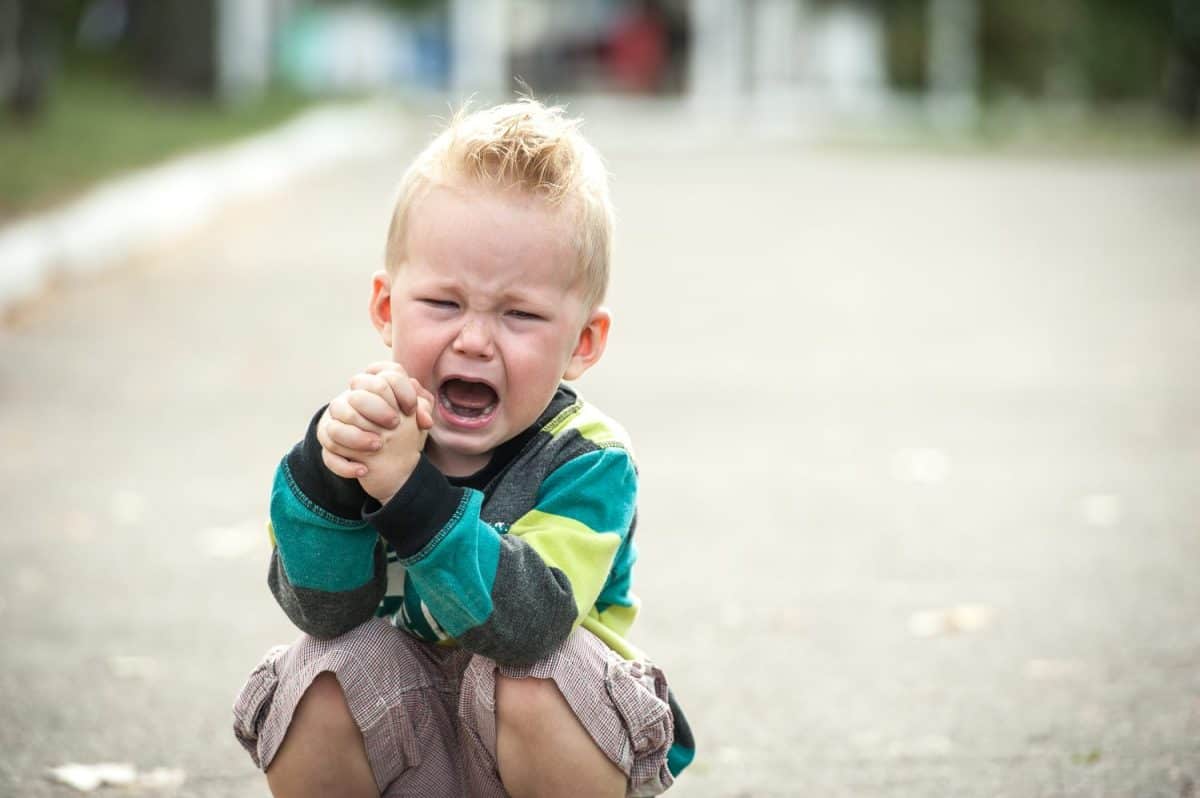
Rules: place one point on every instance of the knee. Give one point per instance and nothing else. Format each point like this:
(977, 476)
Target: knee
(527, 706)
(324, 709)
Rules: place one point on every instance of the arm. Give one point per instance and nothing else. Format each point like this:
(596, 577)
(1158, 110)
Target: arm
(513, 597)
(328, 567)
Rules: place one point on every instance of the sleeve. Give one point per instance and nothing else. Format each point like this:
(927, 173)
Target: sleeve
(513, 597)
(328, 566)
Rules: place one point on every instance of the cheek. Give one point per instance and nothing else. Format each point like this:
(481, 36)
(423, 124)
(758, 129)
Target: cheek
(540, 358)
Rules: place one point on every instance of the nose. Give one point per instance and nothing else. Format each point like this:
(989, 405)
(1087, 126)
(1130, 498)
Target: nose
(475, 339)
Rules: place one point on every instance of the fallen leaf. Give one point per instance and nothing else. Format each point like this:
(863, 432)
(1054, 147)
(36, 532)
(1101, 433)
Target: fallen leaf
(87, 778)
(950, 621)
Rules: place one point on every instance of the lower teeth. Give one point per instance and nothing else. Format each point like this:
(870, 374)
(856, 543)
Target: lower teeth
(466, 412)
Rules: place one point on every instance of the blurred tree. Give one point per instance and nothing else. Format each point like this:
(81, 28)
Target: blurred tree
(907, 43)
(415, 6)
(1124, 47)
(172, 43)
(27, 55)
(1026, 46)
(1099, 51)
(1183, 64)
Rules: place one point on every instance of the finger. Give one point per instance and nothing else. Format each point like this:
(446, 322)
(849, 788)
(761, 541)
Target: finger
(420, 389)
(424, 413)
(339, 465)
(373, 407)
(329, 443)
(340, 409)
(401, 390)
(375, 383)
(380, 366)
(424, 397)
(339, 436)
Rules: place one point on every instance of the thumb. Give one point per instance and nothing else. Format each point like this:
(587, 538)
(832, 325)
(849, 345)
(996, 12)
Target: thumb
(424, 412)
(425, 403)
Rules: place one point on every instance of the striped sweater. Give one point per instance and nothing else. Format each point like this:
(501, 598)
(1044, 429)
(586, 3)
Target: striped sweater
(505, 563)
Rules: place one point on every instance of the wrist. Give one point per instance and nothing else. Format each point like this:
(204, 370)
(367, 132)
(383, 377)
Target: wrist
(417, 511)
(398, 472)
(337, 495)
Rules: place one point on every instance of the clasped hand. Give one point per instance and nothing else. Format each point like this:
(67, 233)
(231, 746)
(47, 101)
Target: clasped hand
(375, 430)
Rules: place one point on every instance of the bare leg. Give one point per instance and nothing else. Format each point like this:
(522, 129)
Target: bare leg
(323, 753)
(543, 750)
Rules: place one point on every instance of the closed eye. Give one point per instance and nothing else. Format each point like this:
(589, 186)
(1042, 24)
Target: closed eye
(445, 304)
(525, 315)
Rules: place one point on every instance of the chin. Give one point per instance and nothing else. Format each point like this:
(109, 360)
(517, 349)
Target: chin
(463, 445)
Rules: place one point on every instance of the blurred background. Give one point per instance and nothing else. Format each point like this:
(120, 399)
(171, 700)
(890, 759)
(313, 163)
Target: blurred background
(907, 325)
(148, 77)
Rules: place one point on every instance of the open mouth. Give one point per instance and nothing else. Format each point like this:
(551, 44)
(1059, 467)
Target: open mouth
(467, 401)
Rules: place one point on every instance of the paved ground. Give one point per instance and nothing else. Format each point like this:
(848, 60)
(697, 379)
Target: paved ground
(867, 388)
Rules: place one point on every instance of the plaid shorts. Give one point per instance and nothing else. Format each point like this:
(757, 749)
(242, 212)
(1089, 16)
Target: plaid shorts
(428, 713)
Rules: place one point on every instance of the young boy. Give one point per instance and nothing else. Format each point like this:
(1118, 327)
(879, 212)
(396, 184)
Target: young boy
(454, 535)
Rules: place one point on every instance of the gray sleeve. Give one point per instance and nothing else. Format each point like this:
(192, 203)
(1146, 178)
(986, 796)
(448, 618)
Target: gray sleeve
(519, 631)
(323, 614)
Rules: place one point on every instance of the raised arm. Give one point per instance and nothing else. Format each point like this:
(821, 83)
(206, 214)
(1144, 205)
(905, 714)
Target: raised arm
(328, 566)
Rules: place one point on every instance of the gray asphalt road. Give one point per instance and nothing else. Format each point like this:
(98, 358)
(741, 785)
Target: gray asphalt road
(919, 440)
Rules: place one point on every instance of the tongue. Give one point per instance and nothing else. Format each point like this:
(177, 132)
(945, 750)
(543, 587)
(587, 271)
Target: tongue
(469, 395)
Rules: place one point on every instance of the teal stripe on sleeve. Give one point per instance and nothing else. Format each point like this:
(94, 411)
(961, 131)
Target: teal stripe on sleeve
(455, 572)
(679, 757)
(619, 587)
(607, 498)
(318, 550)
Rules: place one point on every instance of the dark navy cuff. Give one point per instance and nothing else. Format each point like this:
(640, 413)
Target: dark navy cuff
(337, 495)
(419, 510)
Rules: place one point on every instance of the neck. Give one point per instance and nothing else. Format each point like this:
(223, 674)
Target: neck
(454, 464)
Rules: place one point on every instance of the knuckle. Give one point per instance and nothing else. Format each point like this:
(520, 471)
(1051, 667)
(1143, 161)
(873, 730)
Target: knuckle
(338, 408)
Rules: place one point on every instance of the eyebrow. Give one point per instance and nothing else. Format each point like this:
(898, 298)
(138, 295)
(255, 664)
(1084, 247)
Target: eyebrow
(506, 296)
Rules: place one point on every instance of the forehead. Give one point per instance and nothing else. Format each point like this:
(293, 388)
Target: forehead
(479, 232)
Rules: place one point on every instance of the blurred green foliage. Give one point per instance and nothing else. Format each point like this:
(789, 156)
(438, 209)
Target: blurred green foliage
(906, 39)
(1096, 51)
(97, 123)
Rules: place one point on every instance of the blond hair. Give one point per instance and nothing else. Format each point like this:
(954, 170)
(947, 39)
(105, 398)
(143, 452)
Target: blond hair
(521, 145)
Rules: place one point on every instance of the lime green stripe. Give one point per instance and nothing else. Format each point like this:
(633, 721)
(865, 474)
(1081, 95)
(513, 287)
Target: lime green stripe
(581, 553)
(590, 423)
(611, 639)
(560, 422)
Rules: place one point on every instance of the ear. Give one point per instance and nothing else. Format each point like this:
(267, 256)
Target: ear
(590, 346)
(381, 306)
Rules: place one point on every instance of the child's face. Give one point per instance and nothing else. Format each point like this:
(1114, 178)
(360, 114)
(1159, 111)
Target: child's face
(488, 314)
